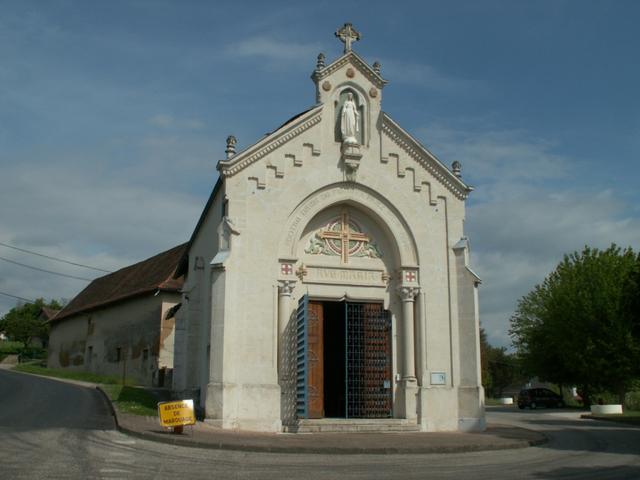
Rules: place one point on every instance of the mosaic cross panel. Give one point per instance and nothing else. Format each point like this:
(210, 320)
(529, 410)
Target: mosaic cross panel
(343, 237)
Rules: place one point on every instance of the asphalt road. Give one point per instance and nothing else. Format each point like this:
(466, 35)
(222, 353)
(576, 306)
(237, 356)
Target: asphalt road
(55, 430)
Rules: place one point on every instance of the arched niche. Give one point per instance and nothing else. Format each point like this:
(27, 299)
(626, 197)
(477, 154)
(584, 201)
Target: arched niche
(367, 244)
(367, 204)
(361, 99)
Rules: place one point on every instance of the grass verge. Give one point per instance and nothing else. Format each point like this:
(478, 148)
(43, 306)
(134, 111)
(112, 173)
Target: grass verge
(134, 400)
(631, 416)
(71, 375)
(127, 398)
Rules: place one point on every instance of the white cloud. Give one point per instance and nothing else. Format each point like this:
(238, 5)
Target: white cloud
(529, 209)
(274, 50)
(497, 155)
(85, 218)
(428, 76)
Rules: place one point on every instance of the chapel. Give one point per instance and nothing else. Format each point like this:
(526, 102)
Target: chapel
(327, 284)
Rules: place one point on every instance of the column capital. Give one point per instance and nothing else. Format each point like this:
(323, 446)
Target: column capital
(285, 287)
(407, 294)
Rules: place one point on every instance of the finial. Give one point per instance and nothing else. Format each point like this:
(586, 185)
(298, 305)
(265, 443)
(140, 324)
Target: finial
(231, 146)
(376, 67)
(456, 168)
(320, 62)
(347, 34)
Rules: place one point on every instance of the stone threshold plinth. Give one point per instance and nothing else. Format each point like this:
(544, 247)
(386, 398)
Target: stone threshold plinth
(353, 425)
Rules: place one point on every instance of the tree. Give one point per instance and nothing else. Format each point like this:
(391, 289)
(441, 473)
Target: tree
(485, 354)
(22, 322)
(632, 301)
(505, 370)
(500, 369)
(575, 328)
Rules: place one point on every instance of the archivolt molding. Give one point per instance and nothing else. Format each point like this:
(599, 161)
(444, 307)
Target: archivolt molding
(364, 199)
(424, 158)
(241, 161)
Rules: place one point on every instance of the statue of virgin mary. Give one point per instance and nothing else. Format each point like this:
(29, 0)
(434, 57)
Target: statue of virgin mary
(350, 121)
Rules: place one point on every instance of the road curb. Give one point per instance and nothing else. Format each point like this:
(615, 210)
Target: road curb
(435, 449)
(235, 444)
(238, 445)
(184, 441)
(109, 403)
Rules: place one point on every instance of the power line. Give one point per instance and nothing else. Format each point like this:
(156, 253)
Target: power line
(46, 271)
(54, 258)
(19, 298)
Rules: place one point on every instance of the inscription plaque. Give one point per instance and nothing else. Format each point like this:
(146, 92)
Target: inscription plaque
(345, 276)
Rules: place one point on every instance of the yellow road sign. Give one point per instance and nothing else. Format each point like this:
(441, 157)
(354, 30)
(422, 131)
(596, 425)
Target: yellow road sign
(174, 414)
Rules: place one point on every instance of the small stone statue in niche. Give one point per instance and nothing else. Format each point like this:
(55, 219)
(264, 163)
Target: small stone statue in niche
(350, 121)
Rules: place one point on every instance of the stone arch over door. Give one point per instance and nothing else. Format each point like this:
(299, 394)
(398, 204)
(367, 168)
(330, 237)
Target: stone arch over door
(400, 254)
(395, 228)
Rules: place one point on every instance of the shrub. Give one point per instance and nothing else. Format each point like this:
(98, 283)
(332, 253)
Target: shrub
(10, 348)
(632, 401)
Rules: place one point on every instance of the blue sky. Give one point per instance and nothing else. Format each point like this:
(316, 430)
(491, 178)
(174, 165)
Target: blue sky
(114, 114)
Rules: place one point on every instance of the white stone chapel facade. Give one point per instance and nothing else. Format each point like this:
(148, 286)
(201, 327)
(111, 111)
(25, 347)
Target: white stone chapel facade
(328, 275)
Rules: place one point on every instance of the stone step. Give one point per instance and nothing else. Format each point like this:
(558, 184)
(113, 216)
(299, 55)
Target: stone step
(364, 425)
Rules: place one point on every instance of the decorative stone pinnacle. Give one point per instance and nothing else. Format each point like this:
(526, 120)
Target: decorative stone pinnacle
(231, 146)
(376, 67)
(320, 62)
(456, 168)
(347, 35)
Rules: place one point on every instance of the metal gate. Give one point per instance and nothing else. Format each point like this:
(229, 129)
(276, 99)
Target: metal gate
(368, 368)
(302, 384)
(368, 361)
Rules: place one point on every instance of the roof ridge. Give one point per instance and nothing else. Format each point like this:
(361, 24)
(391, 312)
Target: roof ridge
(153, 273)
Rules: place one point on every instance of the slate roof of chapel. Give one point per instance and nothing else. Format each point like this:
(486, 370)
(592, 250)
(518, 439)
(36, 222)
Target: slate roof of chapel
(145, 277)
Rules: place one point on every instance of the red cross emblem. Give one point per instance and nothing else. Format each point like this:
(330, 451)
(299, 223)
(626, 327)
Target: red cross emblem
(286, 269)
(410, 276)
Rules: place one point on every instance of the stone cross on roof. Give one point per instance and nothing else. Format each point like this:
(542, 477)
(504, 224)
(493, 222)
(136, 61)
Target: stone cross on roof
(347, 34)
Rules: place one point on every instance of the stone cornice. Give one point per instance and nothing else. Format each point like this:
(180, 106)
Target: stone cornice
(267, 145)
(353, 58)
(425, 158)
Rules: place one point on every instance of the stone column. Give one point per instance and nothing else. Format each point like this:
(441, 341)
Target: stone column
(408, 294)
(285, 350)
(409, 387)
(285, 289)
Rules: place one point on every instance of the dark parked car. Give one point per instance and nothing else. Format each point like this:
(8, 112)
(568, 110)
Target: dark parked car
(536, 397)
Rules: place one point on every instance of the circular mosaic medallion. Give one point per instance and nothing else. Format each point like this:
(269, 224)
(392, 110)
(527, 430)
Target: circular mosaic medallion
(351, 72)
(354, 247)
(326, 86)
(373, 92)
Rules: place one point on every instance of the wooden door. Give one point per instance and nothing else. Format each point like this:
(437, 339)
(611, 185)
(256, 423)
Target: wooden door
(315, 359)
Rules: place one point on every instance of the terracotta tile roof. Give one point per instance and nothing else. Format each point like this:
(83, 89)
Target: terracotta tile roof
(155, 273)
